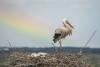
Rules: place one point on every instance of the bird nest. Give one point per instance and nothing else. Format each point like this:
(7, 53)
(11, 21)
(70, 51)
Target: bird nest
(49, 60)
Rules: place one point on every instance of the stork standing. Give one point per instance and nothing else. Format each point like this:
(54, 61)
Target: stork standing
(61, 32)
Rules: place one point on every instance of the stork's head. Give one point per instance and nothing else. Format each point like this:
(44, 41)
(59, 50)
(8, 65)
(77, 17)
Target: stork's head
(66, 22)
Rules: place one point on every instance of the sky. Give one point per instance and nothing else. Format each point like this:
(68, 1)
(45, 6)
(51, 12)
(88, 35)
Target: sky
(31, 23)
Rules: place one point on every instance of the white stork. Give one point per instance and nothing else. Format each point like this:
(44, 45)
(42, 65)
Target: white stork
(61, 32)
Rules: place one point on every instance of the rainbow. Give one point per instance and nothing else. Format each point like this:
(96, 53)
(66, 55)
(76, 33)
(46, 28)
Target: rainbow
(30, 26)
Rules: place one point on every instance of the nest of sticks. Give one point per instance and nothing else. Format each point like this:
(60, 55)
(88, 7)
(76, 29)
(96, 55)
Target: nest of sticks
(49, 60)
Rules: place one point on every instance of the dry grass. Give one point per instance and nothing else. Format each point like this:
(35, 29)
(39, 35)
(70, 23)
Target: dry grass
(50, 60)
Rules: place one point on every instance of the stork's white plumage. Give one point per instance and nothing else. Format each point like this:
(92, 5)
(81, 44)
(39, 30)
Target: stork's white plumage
(62, 32)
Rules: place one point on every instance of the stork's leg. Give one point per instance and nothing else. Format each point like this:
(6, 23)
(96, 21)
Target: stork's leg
(60, 42)
(54, 47)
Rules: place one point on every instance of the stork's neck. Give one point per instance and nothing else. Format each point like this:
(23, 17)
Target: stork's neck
(66, 25)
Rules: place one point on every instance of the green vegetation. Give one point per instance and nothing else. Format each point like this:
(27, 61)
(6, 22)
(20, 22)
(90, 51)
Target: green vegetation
(2, 62)
(3, 59)
(95, 60)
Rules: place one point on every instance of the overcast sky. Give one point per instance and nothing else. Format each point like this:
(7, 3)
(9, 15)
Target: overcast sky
(84, 15)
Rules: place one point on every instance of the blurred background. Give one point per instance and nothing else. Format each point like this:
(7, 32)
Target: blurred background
(31, 23)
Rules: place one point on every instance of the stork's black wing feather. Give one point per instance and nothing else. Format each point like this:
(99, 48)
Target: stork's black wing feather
(56, 36)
